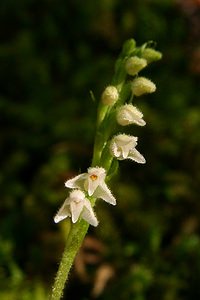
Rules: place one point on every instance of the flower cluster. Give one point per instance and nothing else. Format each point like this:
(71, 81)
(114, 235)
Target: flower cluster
(122, 146)
(84, 186)
(115, 109)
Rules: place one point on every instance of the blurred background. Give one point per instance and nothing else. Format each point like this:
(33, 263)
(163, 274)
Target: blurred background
(52, 54)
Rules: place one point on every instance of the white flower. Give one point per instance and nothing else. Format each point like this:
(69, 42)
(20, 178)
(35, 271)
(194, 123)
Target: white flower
(94, 183)
(122, 146)
(76, 205)
(129, 114)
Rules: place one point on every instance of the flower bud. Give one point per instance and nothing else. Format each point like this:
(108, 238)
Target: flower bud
(135, 64)
(129, 114)
(142, 85)
(151, 55)
(110, 95)
(128, 47)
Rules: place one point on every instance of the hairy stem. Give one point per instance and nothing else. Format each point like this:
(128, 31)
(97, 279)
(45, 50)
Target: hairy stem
(73, 244)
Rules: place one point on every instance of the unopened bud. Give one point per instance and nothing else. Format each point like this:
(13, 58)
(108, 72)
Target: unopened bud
(135, 64)
(110, 95)
(142, 85)
(128, 47)
(151, 55)
(128, 114)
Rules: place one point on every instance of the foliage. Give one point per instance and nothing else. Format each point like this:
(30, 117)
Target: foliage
(52, 55)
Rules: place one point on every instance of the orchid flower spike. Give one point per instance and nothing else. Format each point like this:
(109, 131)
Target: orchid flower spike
(75, 206)
(94, 183)
(122, 146)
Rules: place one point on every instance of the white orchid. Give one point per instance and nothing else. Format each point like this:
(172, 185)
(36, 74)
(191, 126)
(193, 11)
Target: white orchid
(94, 183)
(128, 114)
(75, 206)
(122, 146)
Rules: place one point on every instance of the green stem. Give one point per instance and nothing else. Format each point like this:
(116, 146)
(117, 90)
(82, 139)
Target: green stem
(98, 146)
(79, 230)
(73, 244)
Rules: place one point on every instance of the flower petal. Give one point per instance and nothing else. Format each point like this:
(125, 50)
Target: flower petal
(125, 151)
(115, 150)
(88, 214)
(91, 186)
(76, 209)
(140, 122)
(104, 193)
(63, 212)
(76, 182)
(136, 156)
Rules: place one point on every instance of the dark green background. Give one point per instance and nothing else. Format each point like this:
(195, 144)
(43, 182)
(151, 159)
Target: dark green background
(52, 53)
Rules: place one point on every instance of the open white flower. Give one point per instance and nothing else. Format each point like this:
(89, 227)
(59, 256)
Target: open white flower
(122, 146)
(128, 114)
(94, 183)
(75, 206)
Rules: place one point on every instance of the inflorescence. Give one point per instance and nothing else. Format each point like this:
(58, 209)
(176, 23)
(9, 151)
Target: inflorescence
(115, 110)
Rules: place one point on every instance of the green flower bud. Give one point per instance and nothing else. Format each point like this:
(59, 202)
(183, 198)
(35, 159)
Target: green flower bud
(135, 64)
(151, 55)
(110, 95)
(142, 85)
(128, 47)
